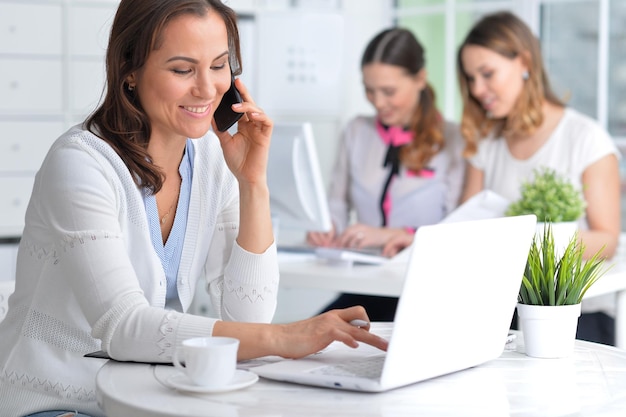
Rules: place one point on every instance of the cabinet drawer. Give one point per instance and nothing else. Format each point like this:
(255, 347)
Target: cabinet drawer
(8, 257)
(6, 289)
(23, 145)
(30, 85)
(15, 195)
(89, 30)
(30, 28)
(86, 86)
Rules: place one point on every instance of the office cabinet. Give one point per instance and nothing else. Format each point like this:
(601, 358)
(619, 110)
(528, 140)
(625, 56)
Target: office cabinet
(23, 145)
(51, 76)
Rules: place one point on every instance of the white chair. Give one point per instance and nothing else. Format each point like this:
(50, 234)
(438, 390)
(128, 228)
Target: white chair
(6, 289)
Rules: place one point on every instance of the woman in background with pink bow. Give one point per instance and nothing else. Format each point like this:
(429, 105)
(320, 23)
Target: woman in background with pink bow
(397, 170)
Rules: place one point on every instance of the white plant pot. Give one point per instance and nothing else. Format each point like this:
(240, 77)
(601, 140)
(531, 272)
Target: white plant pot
(549, 331)
(561, 231)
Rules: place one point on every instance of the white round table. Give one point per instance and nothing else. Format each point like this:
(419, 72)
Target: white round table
(592, 382)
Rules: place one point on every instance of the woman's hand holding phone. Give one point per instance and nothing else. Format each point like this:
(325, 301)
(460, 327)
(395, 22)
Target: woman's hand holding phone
(246, 150)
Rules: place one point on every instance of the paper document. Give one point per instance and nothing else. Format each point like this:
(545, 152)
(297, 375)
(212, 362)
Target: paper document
(358, 256)
(484, 205)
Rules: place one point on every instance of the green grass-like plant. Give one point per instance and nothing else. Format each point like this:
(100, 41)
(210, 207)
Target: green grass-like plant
(551, 279)
(550, 197)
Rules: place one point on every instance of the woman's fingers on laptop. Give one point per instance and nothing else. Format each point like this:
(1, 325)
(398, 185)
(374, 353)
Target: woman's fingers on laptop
(362, 334)
(359, 322)
(356, 316)
(349, 326)
(304, 337)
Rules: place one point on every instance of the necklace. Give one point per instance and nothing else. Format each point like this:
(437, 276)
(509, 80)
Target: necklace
(164, 218)
(166, 215)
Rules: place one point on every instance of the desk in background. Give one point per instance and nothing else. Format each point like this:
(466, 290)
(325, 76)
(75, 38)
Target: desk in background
(388, 279)
(592, 382)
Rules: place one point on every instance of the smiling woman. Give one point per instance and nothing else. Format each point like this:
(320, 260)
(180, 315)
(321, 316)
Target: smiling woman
(136, 205)
(513, 123)
(183, 79)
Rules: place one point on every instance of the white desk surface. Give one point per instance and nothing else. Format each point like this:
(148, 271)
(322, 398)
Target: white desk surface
(362, 279)
(592, 382)
(388, 280)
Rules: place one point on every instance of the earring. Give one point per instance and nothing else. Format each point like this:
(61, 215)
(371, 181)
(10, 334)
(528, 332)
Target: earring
(131, 87)
(525, 75)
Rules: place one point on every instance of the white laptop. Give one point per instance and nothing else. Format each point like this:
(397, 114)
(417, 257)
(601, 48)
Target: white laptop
(460, 291)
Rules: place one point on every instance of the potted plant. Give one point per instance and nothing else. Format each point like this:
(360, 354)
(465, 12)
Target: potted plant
(554, 199)
(550, 296)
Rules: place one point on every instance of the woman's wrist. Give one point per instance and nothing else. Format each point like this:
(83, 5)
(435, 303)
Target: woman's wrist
(256, 339)
(254, 189)
(255, 224)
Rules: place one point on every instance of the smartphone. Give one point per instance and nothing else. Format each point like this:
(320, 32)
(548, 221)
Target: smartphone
(224, 115)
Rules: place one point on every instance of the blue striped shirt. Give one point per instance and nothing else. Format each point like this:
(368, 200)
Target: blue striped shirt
(170, 252)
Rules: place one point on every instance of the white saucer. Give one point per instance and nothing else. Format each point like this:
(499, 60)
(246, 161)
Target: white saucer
(179, 381)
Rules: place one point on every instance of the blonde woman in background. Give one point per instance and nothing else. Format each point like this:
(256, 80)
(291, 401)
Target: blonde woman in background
(513, 123)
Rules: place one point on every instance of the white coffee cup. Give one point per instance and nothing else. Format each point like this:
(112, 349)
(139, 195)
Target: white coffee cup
(208, 361)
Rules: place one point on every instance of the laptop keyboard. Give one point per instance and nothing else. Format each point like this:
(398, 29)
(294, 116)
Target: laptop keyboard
(370, 368)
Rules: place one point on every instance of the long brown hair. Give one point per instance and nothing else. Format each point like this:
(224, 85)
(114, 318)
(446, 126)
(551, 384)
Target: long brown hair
(137, 30)
(507, 35)
(399, 47)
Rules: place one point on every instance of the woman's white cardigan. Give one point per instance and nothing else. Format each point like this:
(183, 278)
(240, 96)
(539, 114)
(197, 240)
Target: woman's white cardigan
(88, 277)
